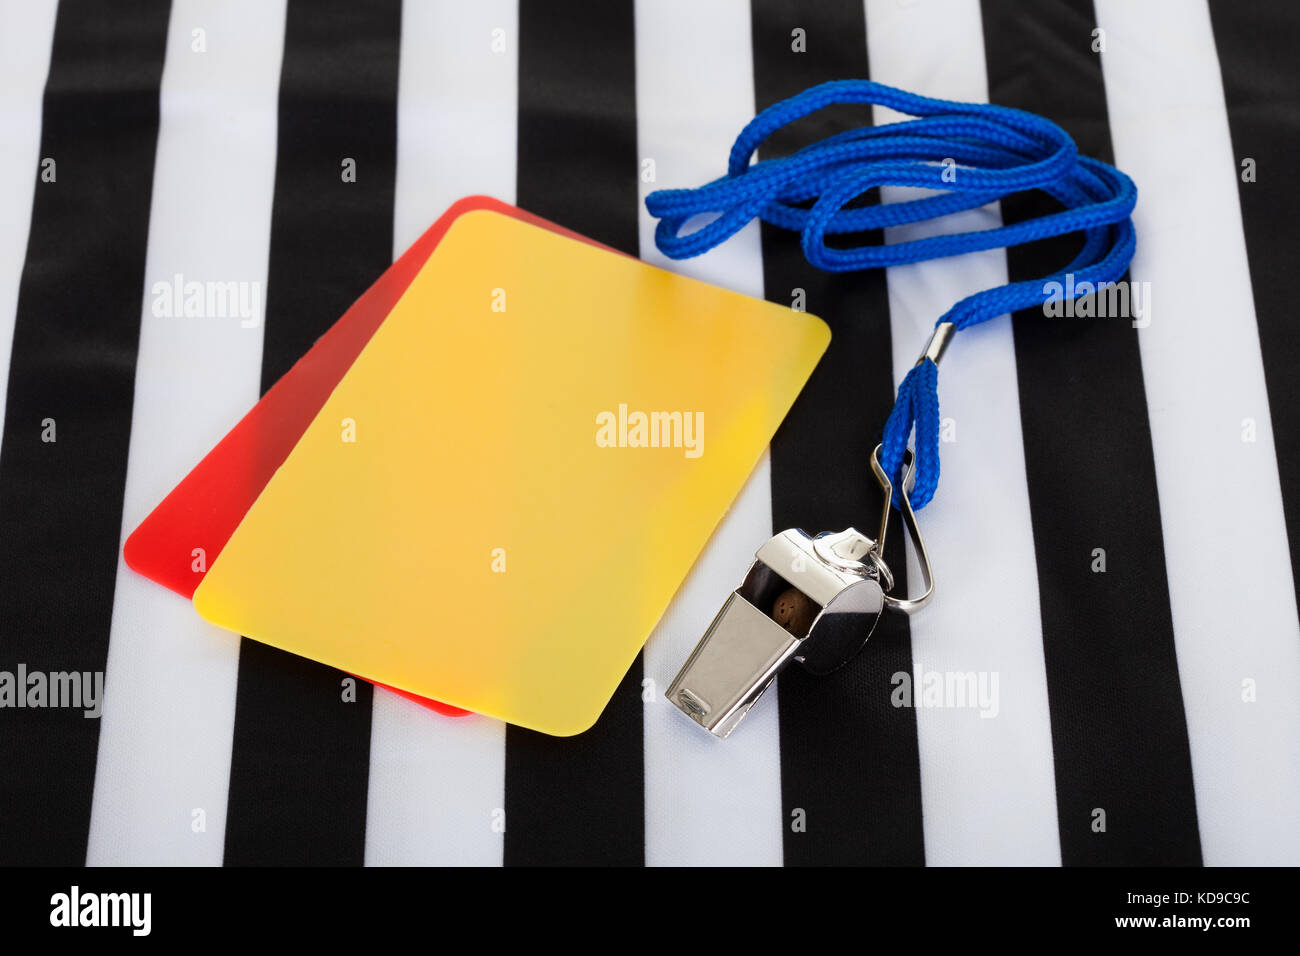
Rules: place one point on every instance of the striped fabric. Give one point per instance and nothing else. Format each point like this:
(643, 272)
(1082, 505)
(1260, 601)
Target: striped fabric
(1115, 536)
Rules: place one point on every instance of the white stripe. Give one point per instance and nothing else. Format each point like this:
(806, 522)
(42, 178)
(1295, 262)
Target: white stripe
(165, 738)
(25, 45)
(707, 803)
(1230, 583)
(436, 782)
(987, 784)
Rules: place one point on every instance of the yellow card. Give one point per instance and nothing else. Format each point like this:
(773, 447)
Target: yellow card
(501, 497)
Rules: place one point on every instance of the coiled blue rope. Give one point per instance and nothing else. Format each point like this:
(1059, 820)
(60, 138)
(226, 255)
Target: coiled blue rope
(974, 153)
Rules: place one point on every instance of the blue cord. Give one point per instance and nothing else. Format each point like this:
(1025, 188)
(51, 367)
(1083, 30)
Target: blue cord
(975, 153)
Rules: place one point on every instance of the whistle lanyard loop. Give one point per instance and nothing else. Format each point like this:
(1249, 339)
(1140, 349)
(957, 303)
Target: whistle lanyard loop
(973, 154)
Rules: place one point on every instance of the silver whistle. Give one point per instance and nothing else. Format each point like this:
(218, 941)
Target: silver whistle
(800, 593)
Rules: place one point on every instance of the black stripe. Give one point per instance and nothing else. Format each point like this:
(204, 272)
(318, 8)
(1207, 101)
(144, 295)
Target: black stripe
(1257, 55)
(74, 355)
(579, 800)
(1119, 735)
(300, 765)
(849, 760)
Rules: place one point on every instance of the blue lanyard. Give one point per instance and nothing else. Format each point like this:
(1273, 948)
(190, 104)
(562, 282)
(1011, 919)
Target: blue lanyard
(975, 153)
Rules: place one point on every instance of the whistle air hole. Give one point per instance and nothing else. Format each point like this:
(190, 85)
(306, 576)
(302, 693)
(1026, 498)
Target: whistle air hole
(795, 611)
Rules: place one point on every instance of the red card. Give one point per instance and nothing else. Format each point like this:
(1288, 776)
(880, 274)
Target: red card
(203, 511)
